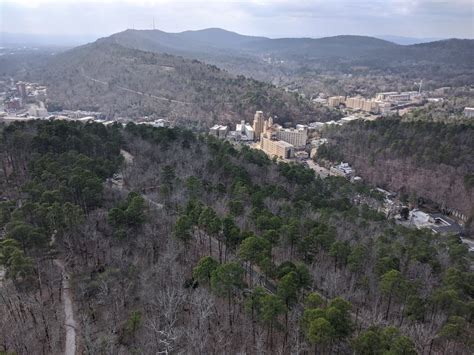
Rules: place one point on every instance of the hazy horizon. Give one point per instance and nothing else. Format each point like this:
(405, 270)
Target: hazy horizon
(275, 19)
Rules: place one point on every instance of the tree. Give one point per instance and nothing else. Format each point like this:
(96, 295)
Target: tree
(168, 175)
(374, 341)
(204, 269)
(340, 251)
(320, 332)
(210, 223)
(135, 211)
(253, 305)
(392, 284)
(402, 345)
(271, 308)
(314, 300)
(226, 280)
(290, 233)
(26, 234)
(254, 250)
(368, 342)
(231, 234)
(338, 314)
(18, 267)
(236, 207)
(182, 229)
(288, 287)
(455, 329)
(357, 258)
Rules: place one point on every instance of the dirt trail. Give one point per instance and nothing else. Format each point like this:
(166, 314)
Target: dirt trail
(69, 321)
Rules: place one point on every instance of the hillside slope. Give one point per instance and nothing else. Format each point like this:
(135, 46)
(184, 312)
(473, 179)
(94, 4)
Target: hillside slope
(427, 160)
(306, 63)
(204, 247)
(125, 82)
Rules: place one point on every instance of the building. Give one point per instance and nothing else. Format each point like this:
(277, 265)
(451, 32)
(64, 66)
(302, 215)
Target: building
(335, 101)
(349, 119)
(397, 97)
(13, 104)
(469, 111)
(302, 155)
(296, 137)
(219, 131)
(384, 107)
(38, 111)
(275, 148)
(21, 89)
(442, 224)
(320, 100)
(383, 96)
(161, 122)
(244, 131)
(359, 103)
(438, 223)
(258, 124)
(343, 169)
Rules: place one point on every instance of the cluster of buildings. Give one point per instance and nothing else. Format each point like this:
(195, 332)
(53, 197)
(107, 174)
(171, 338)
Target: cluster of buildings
(382, 103)
(299, 142)
(18, 94)
(272, 138)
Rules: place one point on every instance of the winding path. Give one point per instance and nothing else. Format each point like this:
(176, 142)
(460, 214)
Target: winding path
(69, 321)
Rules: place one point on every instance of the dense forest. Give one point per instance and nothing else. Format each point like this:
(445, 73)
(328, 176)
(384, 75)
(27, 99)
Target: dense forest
(430, 160)
(181, 243)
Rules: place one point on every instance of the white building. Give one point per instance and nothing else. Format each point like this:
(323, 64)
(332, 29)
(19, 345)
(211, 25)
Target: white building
(469, 111)
(296, 137)
(343, 169)
(349, 119)
(219, 131)
(245, 131)
(161, 122)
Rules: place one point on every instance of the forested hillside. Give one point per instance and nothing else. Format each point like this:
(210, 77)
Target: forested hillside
(203, 247)
(422, 159)
(336, 65)
(123, 82)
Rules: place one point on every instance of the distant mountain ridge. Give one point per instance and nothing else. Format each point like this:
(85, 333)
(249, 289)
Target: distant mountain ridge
(214, 40)
(298, 61)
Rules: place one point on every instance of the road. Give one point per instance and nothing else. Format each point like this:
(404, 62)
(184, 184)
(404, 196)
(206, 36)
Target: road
(135, 91)
(319, 170)
(69, 321)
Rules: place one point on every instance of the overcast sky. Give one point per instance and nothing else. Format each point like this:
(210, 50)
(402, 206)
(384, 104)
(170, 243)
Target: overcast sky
(277, 18)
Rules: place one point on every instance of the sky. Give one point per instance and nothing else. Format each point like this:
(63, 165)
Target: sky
(277, 18)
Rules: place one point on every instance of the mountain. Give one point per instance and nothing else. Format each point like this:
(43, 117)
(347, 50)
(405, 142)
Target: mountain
(212, 42)
(407, 40)
(304, 63)
(120, 81)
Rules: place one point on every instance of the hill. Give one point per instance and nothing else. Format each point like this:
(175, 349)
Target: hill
(424, 161)
(204, 247)
(303, 63)
(120, 81)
